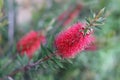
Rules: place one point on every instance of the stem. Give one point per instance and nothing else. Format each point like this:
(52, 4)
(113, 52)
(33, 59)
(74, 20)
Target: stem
(93, 21)
(29, 66)
(42, 60)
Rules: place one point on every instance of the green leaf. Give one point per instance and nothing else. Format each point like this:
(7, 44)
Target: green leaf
(44, 51)
(19, 58)
(50, 41)
(94, 15)
(50, 64)
(70, 61)
(98, 27)
(87, 20)
(23, 59)
(101, 19)
(44, 65)
(50, 50)
(57, 62)
(101, 13)
(91, 13)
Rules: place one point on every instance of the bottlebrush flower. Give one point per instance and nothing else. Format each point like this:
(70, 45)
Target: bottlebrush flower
(93, 46)
(71, 41)
(71, 16)
(30, 43)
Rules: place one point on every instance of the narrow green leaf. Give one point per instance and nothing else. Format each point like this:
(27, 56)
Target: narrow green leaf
(87, 20)
(70, 61)
(91, 12)
(57, 62)
(50, 40)
(98, 27)
(44, 65)
(50, 64)
(44, 51)
(101, 19)
(19, 58)
(25, 60)
(49, 50)
(94, 15)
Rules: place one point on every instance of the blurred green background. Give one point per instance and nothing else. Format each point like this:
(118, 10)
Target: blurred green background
(101, 64)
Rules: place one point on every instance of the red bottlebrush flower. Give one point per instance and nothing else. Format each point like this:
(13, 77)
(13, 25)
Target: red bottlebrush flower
(71, 16)
(30, 43)
(71, 41)
(92, 47)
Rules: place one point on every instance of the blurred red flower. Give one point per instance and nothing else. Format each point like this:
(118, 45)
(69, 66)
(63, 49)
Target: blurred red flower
(71, 41)
(92, 47)
(71, 16)
(30, 43)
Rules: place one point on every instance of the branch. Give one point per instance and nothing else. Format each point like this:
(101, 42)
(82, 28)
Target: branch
(29, 66)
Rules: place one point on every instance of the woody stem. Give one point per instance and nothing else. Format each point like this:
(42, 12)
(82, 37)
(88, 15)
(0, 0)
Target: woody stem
(29, 66)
